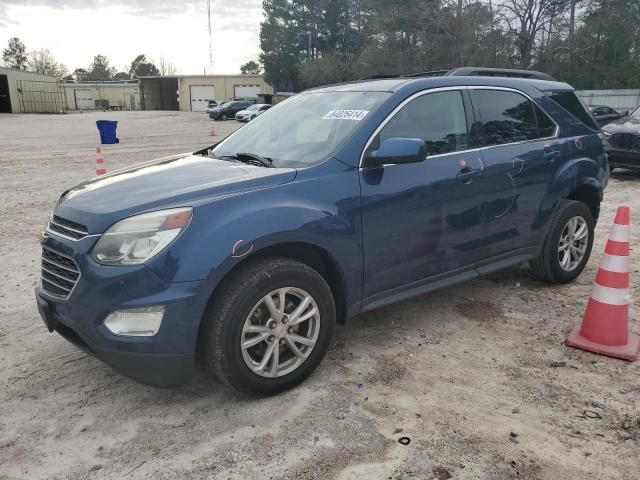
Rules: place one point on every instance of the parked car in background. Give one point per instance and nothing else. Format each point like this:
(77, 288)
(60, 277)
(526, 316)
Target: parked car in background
(341, 200)
(622, 141)
(604, 114)
(229, 109)
(252, 112)
(245, 99)
(212, 104)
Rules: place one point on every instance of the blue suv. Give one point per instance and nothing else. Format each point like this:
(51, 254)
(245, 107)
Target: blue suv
(335, 202)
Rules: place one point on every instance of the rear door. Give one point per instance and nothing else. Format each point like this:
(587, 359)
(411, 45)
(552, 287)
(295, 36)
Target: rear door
(422, 219)
(521, 155)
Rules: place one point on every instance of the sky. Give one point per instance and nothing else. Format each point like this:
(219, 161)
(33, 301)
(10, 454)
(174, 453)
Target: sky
(77, 30)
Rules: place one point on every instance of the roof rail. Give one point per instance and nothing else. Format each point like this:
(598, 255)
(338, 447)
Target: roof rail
(432, 73)
(377, 76)
(499, 72)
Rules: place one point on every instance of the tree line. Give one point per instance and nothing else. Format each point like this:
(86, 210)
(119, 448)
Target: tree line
(588, 43)
(100, 69)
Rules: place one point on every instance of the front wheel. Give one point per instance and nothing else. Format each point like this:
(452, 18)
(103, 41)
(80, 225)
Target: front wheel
(269, 326)
(223, 116)
(568, 244)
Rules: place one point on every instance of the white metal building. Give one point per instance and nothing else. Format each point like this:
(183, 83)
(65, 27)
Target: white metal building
(192, 93)
(29, 92)
(102, 95)
(618, 99)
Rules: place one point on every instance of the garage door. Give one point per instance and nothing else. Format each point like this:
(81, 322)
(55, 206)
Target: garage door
(200, 96)
(246, 91)
(84, 100)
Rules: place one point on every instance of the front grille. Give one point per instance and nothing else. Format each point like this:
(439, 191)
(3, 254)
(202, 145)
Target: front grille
(59, 273)
(67, 228)
(626, 141)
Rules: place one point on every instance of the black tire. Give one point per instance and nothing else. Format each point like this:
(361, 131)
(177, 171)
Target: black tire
(221, 332)
(223, 116)
(253, 117)
(547, 265)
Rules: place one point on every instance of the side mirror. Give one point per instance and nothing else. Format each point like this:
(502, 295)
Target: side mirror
(397, 151)
(624, 113)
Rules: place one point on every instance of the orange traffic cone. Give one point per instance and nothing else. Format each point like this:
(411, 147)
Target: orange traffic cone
(212, 131)
(605, 328)
(100, 167)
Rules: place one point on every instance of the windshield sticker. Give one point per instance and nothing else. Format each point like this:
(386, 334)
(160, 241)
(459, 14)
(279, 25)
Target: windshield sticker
(345, 115)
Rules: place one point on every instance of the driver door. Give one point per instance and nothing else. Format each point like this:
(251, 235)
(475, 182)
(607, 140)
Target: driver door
(422, 219)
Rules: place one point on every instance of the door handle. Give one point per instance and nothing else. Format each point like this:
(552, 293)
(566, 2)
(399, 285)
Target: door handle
(552, 154)
(466, 174)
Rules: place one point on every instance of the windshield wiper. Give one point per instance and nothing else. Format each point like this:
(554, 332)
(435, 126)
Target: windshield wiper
(251, 159)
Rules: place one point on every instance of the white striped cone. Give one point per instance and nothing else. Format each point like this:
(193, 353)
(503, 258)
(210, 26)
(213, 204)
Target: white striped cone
(100, 166)
(605, 328)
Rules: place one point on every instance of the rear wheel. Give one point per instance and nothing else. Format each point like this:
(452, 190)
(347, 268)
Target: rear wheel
(269, 326)
(568, 244)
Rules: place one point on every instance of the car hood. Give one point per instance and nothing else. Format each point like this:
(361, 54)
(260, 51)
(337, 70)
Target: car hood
(246, 112)
(623, 125)
(179, 180)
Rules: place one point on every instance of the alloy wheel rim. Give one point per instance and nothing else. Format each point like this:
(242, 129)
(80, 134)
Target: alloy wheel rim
(280, 332)
(572, 246)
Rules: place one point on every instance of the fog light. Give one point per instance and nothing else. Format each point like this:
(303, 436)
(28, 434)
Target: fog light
(139, 322)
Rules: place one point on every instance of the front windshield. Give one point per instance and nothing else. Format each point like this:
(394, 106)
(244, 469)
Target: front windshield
(225, 104)
(253, 107)
(303, 129)
(636, 113)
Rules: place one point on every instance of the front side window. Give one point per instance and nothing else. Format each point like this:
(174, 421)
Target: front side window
(437, 118)
(305, 128)
(503, 117)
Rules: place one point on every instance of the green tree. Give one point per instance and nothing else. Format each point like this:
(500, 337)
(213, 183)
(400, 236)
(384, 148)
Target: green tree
(141, 67)
(15, 55)
(281, 43)
(100, 70)
(43, 61)
(250, 68)
(121, 76)
(80, 74)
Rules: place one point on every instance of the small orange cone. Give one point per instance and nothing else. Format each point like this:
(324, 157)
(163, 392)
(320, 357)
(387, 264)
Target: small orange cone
(100, 167)
(212, 131)
(605, 328)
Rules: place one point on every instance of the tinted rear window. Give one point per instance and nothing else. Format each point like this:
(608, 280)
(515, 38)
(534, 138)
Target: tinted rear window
(572, 104)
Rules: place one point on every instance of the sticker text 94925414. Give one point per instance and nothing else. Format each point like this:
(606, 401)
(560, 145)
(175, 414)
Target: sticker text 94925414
(345, 115)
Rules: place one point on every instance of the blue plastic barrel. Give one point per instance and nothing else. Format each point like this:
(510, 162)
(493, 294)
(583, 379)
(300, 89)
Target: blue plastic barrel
(107, 129)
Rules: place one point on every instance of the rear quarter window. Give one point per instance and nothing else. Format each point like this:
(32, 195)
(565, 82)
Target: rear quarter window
(572, 104)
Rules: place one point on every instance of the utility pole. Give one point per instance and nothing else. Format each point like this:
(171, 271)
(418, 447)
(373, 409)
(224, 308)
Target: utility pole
(210, 36)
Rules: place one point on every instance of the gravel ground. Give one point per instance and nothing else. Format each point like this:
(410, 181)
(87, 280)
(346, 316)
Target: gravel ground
(455, 370)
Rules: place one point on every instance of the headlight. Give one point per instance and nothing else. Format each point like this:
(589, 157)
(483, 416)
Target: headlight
(135, 240)
(606, 134)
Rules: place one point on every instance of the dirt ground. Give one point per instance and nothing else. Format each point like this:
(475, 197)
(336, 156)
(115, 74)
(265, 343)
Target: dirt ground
(455, 370)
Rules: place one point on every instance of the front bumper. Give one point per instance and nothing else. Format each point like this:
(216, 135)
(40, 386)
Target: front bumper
(163, 360)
